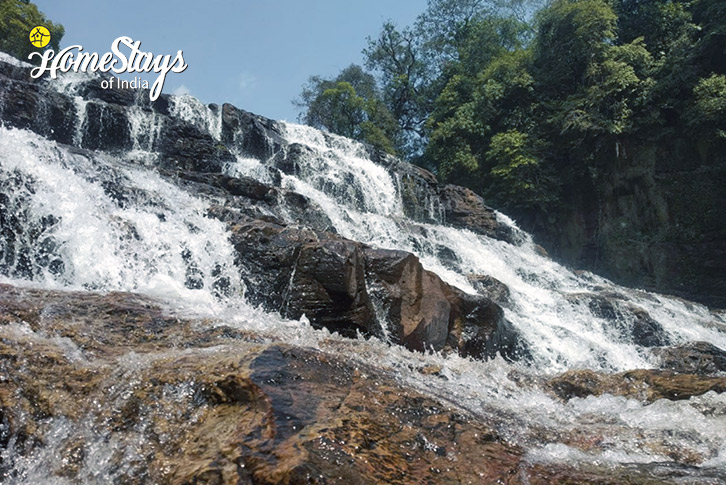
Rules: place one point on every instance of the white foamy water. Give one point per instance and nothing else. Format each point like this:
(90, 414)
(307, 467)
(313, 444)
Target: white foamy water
(200, 115)
(562, 332)
(112, 226)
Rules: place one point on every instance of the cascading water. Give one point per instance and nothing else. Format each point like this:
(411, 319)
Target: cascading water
(102, 221)
(564, 334)
(99, 224)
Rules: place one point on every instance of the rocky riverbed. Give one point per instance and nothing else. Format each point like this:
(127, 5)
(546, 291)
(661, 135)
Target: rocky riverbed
(113, 383)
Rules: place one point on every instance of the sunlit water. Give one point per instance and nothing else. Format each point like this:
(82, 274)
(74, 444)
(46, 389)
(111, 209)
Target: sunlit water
(106, 222)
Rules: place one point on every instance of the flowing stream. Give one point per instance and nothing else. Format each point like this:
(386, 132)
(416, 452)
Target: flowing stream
(105, 221)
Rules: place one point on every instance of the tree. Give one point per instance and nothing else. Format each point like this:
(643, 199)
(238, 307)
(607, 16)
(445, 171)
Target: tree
(708, 112)
(349, 105)
(415, 64)
(17, 18)
(571, 36)
(710, 15)
(488, 90)
(518, 176)
(396, 56)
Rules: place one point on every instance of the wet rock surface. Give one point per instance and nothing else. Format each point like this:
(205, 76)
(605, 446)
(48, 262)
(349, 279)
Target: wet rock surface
(113, 382)
(695, 358)
(643, 384)
(300, 269)
(631, 321)
(466, 210)
(491, 288)
(180, 403)
(31, 104)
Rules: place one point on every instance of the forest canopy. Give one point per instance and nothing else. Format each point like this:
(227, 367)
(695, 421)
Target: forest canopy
(518, 100)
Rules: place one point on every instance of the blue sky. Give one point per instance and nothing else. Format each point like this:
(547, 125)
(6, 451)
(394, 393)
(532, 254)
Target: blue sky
(255, 54)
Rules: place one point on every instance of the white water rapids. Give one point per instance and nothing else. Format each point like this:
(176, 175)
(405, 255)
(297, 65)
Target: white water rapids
(103, 222)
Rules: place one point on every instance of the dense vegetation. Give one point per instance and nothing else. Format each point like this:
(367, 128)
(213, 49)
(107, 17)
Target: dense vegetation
(522, 102)
(17, 18)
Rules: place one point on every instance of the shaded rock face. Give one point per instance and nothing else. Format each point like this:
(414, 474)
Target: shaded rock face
(248, 199)
(187, 148)
(420, 191)
(173, 411)
(34, 108)
(652, 219)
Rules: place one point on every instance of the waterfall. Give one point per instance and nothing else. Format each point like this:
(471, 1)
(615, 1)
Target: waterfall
(96, 223)
(108, 220)
(563, 333)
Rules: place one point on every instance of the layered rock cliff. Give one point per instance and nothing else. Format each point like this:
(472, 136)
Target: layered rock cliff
(650, 217)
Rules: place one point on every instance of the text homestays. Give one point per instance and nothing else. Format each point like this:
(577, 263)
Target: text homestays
(73, 58)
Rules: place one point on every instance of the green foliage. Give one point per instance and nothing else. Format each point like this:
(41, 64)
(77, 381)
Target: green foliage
(571, 36)
(710, 16)
(17, 18)
(709, 109)
(396, 55)
(349, 105)
(517, 176)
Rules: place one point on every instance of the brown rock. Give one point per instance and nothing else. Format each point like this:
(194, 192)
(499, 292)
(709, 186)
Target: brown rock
(465, 209)
(296, 271)
(412, 299)
(242, 413)
(348, 287)
(492, 288)
(643, 384)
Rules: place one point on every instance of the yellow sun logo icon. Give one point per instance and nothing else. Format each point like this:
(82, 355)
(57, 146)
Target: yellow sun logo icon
(39, 36)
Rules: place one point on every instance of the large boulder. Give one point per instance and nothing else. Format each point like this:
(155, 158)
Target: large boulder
(413, 300)
(349, 288)
(301, 272)
(477, 328)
